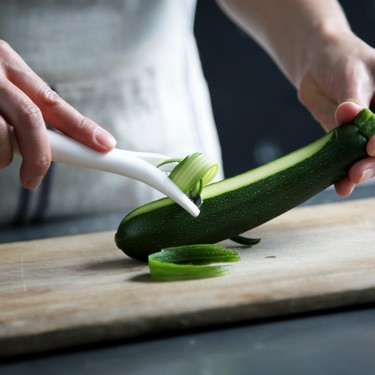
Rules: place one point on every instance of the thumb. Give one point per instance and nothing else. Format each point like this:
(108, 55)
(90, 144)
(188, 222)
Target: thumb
(346, 111)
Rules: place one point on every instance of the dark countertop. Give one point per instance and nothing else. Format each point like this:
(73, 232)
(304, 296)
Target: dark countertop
(330, 342)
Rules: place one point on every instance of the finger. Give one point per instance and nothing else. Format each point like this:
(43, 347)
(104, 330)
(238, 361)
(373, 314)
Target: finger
(362, 171)
(6, 151)
(370, 148)
(346, 111)
(72, 123)
(30, 133)
(344, 187)
(59, 113)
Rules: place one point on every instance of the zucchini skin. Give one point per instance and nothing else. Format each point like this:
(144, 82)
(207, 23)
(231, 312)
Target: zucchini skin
(229, 212)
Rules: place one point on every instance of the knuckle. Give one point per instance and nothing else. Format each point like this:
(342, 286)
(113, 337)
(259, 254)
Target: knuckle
(50, 97)
(87, 129)
(4, 46)
(41, 164)
(6, 54)
(31, 114)
(84, 125)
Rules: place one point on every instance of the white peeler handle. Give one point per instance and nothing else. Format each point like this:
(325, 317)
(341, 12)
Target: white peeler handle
(68, 151)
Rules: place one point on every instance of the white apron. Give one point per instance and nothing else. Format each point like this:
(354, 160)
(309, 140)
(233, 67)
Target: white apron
(130, 65)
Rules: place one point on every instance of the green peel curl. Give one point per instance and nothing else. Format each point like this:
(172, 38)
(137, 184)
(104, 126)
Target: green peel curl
(190, 262)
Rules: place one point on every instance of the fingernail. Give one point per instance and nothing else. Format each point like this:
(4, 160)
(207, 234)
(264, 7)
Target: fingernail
(367, 174)
(34, 182)
(104, 138)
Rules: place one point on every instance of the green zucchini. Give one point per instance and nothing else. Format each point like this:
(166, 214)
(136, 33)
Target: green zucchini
(238, 204)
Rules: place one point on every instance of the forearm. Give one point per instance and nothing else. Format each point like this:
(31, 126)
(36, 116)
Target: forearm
(289, 30)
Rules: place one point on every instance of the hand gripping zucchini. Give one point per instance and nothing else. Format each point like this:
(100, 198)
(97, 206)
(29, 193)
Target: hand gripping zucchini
(238, 204)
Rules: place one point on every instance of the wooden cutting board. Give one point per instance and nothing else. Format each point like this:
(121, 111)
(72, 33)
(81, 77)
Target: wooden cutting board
(67, 291)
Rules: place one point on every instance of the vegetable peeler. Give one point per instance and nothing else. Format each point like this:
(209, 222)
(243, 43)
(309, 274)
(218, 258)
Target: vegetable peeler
(139, 166)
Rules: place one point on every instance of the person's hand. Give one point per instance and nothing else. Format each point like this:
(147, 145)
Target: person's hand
(26, 104)
(365, 168)
(339, 82)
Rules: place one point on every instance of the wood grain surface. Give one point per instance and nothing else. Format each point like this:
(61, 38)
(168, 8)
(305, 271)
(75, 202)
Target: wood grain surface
(68, 291)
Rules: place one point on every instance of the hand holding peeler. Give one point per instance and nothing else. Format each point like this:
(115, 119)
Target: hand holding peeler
(139, 166)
